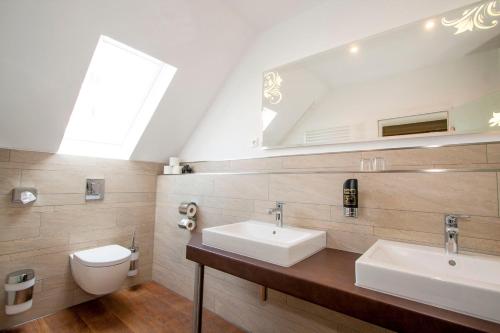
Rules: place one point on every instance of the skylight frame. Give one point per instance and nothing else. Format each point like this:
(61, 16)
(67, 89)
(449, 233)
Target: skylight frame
(135, 128)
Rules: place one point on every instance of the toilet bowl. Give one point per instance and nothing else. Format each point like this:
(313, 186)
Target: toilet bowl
(100, 270)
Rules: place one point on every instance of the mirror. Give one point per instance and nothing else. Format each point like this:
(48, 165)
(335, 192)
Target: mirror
(440, 76)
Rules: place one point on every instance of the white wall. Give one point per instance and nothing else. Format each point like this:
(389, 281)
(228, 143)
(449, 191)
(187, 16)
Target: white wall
(233, 120)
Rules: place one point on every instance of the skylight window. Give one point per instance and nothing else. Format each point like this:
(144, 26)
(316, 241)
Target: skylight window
(118, 97)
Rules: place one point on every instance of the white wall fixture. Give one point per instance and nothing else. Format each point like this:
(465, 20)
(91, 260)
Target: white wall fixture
(118, 97)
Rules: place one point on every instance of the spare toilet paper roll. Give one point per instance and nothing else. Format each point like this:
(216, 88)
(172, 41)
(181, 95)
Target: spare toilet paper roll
(189, 209)
(167, 170)
(177, 170)
(187, 224)
(174, 161)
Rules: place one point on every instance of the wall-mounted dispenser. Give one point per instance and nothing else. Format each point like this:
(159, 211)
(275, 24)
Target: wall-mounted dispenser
(24, 195)
(94, 189)
(19, 291)
(190, 209)
(351, 198)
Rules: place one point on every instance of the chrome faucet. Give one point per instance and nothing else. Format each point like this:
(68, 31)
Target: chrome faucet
(451, 233)
(278, 210)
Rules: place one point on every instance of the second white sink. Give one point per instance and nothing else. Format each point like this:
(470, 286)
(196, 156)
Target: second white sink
(466, 283)
(264, 241)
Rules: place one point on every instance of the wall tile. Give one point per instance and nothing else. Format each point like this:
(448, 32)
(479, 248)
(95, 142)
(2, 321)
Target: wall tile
(4, 155)
(308, 188)
(132, 216)
(78, 218)
(48, 199)
(409, 236)
(468, 193)
(18, 226)
(22, 156)
(186, 184)
(9, 178)
(395, 219)
(50, 181)
(299, 210)
(493, 152)
(338, 160)
(119, 182)
(241, 186)
(270, 163)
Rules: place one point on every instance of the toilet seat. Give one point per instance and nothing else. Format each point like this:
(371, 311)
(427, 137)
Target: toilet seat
(104, 256)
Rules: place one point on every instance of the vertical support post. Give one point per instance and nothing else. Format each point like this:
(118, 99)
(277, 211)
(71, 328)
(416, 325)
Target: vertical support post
(198, 297)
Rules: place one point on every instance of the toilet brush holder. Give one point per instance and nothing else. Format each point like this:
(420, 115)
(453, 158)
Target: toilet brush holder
(19, 287)
(134, 262)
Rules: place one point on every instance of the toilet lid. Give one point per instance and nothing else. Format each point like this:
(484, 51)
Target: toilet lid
(108, 255)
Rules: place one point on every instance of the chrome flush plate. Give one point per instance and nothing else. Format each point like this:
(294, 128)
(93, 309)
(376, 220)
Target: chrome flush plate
(94, 189)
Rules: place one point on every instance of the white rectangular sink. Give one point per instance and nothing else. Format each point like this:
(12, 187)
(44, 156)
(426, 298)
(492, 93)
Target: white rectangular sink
(265, 241)
(466, 283)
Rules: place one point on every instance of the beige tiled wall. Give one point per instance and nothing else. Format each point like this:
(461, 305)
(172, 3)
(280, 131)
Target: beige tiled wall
(406, 206)
(42, 235)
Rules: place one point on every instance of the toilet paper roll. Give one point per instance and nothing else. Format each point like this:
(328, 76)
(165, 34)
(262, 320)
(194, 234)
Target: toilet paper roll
(174, 161)
(187, 224)
(189, 209)
(177, 170)
(167, 170)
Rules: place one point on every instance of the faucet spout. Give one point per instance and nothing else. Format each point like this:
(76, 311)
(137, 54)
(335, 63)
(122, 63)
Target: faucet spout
(278, 210)
(451, 233)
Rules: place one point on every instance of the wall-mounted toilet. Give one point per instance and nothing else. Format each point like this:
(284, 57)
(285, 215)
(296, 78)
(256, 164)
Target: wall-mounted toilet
(100, 270)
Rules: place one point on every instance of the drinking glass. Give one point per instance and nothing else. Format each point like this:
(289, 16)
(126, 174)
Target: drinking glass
(366, 164)
(378, 164)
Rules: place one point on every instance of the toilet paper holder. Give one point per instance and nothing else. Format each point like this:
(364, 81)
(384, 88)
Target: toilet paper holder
(189, 209)
(19, 287)
(24, 195)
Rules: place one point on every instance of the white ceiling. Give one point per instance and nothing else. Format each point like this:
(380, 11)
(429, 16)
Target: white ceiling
(47, 45)
(262, 14)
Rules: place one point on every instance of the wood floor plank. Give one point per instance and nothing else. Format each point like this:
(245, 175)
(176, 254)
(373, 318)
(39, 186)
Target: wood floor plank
(35, 326)
(135, 317)
(98, 319)
(147, 308)
(65, 321)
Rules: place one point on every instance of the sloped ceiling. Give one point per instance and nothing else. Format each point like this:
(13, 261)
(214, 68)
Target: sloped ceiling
(46, 47)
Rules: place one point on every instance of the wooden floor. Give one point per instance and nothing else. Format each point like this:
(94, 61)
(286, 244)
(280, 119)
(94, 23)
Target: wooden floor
(145, 308)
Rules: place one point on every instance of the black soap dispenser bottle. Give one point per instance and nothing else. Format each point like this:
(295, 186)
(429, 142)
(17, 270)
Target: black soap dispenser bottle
(351, 198)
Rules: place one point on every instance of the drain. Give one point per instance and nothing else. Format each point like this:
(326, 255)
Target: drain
(452, 262)
(274, 232)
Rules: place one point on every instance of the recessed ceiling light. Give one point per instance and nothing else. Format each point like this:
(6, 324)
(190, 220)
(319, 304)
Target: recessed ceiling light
(429, 24)
(354, 49)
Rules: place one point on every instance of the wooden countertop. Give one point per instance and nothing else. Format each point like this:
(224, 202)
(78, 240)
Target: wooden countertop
(327, 279)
